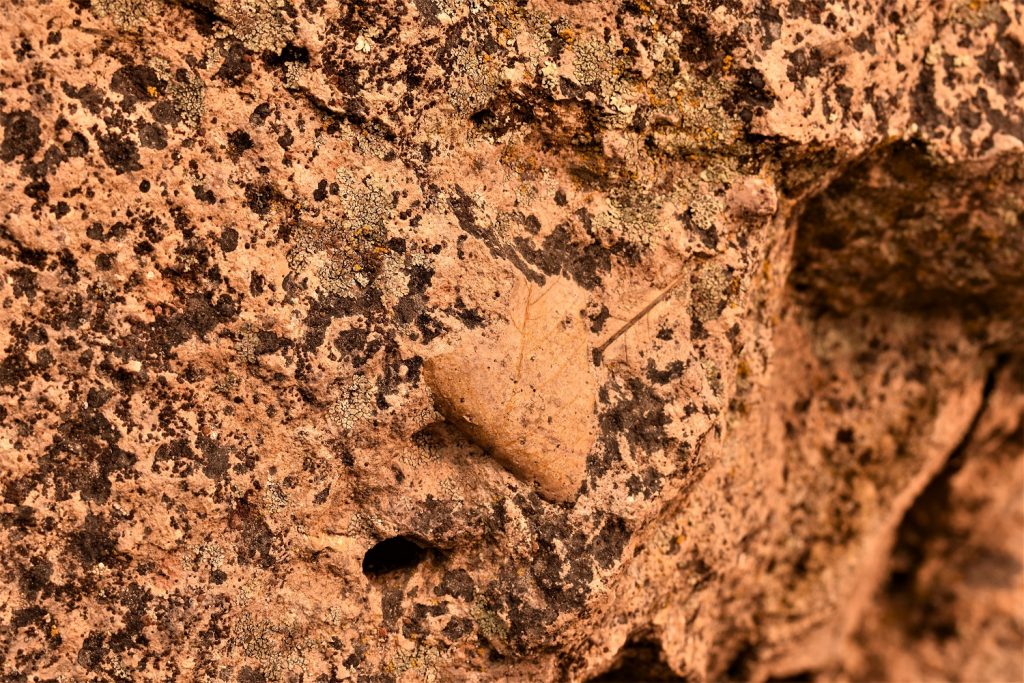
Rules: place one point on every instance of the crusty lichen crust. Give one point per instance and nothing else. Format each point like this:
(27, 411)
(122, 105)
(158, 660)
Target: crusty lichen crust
(235, 235)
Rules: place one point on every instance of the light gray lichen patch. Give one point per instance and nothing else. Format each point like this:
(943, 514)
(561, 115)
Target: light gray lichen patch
(354, 404)
(260, 24)
(343, 247)
(127, 14)
(710, 292)
(186, 90)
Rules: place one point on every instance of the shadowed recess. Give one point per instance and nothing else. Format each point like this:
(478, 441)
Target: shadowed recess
(392, 555)
(639, 661)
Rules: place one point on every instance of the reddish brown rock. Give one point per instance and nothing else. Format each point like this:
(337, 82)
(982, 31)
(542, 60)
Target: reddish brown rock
(456, 340)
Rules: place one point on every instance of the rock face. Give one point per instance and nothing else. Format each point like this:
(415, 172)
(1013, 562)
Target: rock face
(527, 340)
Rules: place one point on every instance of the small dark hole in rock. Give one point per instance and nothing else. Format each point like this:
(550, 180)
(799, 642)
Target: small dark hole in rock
(800, 677)
(481, 117)
(392, 555)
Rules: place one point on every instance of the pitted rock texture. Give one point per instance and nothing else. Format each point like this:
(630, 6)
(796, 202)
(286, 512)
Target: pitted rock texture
(444, 340)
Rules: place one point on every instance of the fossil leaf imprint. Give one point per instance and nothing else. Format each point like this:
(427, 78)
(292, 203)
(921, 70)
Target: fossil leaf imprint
(526, 390)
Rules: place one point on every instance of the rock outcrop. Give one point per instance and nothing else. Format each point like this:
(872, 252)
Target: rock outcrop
(526, 340)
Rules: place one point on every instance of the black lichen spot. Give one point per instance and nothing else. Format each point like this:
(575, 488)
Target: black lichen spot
(289, 53)
(84, 456)
(33, 615)
(15, 368)
(204, 194)
(177, 452)
(236, 67)
(215, 457)
(709, 236)
(25, 282)
(321, 497)
(674, 370)
(35, 580)
(286, 139)
(463, 208)
(89, 95)
(560, 253)
(256, 284)
(268, 342)
(120, 153)
(429, 327)
(94, 543)
(239, 142)
(38, 190)
(458, 584)
(804, 63)
(165, 112)
(415, 628)
(640, 417)
(647, 483)
(152, 135)
(255, 539)
(751, 95)
(259, 114)
(198, 316)
(323, 310)
(564, 584)
(21, 135)
(470, 317)
(76, 146)
(609, 542)
(320, 193)
(247, 674)
(457, 628)
(598, 319)
(135, 83)
(22, 517)
(259, 198)
(228, 240)
(92, 651)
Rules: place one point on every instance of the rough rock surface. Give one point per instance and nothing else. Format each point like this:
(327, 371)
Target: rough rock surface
(511, 340)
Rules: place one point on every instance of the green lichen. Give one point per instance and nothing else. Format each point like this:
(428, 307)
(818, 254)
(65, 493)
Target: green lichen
(490, 625)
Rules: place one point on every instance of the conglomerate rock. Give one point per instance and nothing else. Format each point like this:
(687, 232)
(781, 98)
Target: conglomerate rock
(456, 340)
